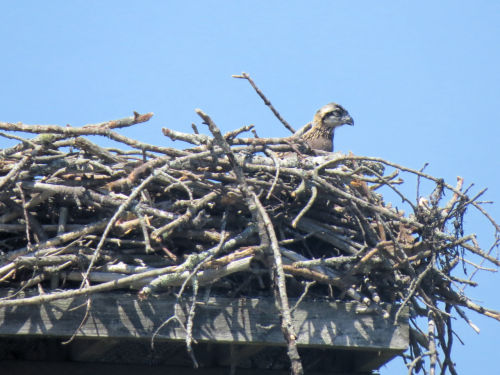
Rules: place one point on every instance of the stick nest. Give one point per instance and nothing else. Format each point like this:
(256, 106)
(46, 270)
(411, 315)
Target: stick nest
(236, 215)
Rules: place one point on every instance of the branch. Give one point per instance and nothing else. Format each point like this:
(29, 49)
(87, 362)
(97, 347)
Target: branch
(266, 100)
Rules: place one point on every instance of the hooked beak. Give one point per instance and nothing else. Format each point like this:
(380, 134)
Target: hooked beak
(348, 120)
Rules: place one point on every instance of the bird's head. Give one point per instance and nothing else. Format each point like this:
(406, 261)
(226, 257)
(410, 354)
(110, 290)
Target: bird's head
(332, 115)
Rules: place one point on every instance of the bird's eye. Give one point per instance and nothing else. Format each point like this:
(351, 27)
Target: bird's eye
(335, 112)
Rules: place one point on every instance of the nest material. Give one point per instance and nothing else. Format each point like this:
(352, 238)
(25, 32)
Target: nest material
(231, 214)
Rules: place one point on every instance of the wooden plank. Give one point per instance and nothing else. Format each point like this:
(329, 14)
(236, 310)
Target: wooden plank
(322, 324)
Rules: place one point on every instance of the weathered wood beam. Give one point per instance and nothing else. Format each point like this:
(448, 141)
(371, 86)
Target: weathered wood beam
(320, 323)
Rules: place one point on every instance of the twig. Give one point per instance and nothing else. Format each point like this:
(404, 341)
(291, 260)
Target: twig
(307, 207)
(266, 100)
(89, 129)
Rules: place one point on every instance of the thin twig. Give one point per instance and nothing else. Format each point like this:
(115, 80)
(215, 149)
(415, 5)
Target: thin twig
(266, 100)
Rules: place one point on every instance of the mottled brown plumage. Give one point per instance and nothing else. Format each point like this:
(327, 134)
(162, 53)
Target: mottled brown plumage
(326, 119)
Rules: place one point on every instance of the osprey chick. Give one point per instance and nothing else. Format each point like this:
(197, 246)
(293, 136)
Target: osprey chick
(326, 119)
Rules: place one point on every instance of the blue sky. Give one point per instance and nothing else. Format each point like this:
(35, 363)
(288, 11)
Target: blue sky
(421, 79)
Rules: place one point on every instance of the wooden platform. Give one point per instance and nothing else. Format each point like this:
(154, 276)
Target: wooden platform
(228, 332)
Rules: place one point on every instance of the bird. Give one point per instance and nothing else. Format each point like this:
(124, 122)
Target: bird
(327, 118)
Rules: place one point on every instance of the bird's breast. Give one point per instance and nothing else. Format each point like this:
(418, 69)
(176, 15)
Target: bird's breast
(320, 138)
(321, 143)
